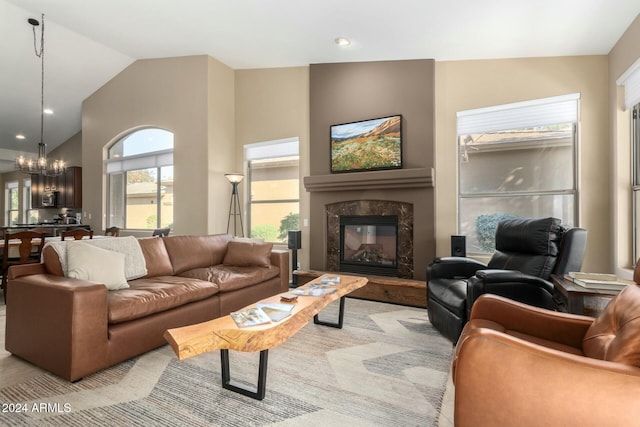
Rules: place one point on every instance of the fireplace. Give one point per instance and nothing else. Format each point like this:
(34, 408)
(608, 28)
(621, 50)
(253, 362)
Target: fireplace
(369, 244)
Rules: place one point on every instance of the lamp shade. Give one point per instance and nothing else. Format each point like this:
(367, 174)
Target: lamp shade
(234, 178)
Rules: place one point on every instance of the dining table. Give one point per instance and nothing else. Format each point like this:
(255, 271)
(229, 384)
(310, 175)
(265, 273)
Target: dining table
(14, 243)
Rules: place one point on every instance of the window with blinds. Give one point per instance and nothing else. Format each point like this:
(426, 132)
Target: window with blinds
(139, 171)
(516, 160)
(274, 189)
(12, 203)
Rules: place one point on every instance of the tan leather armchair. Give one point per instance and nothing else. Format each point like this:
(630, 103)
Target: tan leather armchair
(518, 365)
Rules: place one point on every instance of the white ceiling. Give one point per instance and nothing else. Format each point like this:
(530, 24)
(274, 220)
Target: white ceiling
(87, 42)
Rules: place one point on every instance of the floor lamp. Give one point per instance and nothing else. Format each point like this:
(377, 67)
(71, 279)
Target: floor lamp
(235, 209)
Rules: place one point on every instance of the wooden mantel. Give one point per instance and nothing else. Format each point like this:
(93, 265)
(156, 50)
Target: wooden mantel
(373, 180)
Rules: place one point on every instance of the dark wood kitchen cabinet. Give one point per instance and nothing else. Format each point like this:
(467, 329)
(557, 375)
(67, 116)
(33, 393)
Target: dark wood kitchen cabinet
(67, 186)
(71, 193)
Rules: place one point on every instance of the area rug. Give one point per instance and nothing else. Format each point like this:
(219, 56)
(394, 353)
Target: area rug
(387, 367)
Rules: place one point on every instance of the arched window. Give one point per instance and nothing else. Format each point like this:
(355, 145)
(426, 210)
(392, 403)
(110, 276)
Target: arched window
(139, 171)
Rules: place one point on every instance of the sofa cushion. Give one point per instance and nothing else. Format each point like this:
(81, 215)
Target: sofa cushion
(135, 266)
(88, 262)
(189, 252)
(246, 254)
(229, 278)
(153, 295)
(156, 256)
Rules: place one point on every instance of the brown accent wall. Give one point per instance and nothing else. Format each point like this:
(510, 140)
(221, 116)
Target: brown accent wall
(347, 92)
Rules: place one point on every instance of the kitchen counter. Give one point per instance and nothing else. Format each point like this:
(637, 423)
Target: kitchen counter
(55, 229)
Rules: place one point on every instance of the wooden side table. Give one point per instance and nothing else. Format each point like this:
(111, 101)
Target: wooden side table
(572, 298)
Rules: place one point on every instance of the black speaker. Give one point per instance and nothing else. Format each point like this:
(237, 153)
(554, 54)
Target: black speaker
(295, 239)
(459, 246)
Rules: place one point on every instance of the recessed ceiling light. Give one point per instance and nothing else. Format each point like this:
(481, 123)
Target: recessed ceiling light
(342, 41)
(20, 136)
(47, 111)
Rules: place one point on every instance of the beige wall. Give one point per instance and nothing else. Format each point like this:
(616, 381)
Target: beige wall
(220, 154)
(189, 96)
(70, 151)
(273, 104)
(463, 85)
(622, 56)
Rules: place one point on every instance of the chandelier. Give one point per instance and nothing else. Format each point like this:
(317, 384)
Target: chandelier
(40, 165)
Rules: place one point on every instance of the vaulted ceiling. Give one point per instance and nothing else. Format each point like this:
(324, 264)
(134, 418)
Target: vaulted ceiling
(88, 42)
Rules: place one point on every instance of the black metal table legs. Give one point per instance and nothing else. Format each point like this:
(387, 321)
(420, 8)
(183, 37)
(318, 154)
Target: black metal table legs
(338, 325)
(258, 391)
(245, 389)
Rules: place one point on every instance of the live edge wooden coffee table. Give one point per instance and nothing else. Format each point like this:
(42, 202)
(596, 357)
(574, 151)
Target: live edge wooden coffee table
(223, 334)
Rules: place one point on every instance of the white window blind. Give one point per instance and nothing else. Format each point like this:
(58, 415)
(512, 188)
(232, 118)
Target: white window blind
(272, 149)
(539, 112)
(631, 82)
(141, 161)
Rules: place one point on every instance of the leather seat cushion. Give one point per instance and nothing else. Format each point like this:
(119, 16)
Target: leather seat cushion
(154, 295)
(189, 252)
(156, 257)
(449, 293)
(229, 278)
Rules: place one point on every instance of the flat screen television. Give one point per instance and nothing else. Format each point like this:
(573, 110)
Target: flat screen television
(367, 145)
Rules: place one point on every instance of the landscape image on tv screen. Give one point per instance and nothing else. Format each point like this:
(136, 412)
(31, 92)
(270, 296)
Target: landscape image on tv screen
(367, 145)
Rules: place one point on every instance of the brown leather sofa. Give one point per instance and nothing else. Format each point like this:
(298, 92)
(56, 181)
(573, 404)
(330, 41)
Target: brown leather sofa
(525, 366)
(74, 327)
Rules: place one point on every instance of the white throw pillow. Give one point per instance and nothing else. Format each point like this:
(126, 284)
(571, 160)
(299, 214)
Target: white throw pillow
(88, 262)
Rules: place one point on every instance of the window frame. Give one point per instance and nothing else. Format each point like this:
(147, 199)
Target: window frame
(28, 209)
(10, 188)
(287, 148)
(635, 180)
(514, 117)
(120, 165)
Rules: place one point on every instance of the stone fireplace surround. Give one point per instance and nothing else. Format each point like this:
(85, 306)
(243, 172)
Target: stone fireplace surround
(407, 193)
(404, 212)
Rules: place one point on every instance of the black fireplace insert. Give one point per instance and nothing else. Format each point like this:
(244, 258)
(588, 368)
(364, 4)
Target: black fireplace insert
(369, 244)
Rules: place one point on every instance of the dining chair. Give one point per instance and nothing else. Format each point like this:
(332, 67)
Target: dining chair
(28, 245)
(112, 231)
(161, 232)
(77, 234)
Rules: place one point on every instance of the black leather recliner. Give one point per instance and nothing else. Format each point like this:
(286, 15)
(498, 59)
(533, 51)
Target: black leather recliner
(528, 251)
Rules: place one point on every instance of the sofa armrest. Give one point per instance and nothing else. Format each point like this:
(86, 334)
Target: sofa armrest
(20, 270)
(280, 259)
(503, 380)
(57, 323)
(512, 284)
(564, 328)
(453, 268)
(509, 277)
